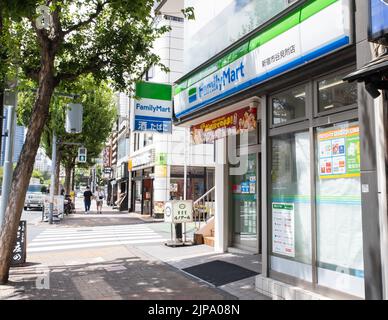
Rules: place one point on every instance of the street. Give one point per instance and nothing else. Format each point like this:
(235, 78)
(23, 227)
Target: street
(108, 256)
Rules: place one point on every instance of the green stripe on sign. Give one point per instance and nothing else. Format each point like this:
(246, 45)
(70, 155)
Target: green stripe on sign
(157, 91)
(180, 87)
(234, 55)
(313, 7)
(275, 30)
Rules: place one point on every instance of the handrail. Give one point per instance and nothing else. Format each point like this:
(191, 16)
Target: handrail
(204, 196)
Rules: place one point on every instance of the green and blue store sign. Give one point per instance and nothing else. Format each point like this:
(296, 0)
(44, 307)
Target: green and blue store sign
(153, 107)
(315, 29)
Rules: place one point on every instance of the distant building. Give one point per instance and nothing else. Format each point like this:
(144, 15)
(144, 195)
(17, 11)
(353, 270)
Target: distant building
(42, 162)
(18, 140)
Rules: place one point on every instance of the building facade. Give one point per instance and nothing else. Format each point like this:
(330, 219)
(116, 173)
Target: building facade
(42, 162)
(295, 171)
(156, 161)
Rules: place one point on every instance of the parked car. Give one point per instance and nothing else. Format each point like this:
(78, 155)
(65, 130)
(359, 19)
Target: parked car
(34, 197)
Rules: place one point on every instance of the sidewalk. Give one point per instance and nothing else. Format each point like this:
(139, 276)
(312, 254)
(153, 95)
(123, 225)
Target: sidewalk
(118, 256)
(184, 257)
(111, 273)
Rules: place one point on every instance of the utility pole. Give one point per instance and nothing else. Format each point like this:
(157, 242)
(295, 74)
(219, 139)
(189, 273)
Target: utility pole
(8, 158)
(53, 173)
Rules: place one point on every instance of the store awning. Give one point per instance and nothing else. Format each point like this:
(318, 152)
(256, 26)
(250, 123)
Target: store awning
(376, 68)
(374, 74)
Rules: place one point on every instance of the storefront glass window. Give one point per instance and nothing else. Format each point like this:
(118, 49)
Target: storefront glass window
(334, 93)
(244, 208)
(338, 201)
(291, 205)
(289, 105)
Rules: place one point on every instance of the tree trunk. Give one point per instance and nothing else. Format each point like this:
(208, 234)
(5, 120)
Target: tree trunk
(58, 171)
(67, 179)
(24, 168)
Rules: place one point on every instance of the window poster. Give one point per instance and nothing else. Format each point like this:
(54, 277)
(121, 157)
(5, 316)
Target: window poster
(339, 153)
(283, 232)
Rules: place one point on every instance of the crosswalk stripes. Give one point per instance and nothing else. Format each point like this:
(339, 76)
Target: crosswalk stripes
(91, 237)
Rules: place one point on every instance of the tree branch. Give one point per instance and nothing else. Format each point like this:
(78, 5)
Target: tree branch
(93, 66)
(99, 8)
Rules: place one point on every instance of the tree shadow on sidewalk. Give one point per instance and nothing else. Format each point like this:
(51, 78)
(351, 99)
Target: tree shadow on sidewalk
(119, 279)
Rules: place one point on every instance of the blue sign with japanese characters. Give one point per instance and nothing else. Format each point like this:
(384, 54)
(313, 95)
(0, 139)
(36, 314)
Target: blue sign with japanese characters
(153, 108)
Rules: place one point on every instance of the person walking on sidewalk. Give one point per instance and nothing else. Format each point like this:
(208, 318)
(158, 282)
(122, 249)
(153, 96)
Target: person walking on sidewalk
(99, 196)
(87, 199)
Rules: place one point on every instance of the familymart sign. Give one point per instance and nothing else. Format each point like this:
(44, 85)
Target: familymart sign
(153, 107)
(317, 28)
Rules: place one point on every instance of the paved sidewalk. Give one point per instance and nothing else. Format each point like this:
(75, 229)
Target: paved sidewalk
(110, 273)
(117, 255)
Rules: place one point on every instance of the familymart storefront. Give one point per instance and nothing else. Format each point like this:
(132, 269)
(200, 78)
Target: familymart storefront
(296, 202)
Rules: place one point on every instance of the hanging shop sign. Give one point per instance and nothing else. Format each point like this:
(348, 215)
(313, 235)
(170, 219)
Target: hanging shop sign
(161, 158)
(107, 157)
(243, 120)
(339, 153)
(312, 31)
(283, 239)
(378, 21)
(153, 108)
(141, 159)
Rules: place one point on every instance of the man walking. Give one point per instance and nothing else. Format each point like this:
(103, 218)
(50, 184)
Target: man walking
(87, 199)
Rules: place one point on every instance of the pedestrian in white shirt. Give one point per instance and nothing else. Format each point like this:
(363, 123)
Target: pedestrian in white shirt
(99, 196)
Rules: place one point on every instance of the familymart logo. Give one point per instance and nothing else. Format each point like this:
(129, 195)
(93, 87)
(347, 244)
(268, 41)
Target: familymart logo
(217, 82)
(192, 95)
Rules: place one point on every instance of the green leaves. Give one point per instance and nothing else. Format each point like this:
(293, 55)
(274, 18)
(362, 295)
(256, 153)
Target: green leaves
(99, 113)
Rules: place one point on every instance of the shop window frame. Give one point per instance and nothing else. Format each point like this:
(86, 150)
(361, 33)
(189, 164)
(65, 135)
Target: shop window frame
(312, 120)
(307, 115)
(317, 113)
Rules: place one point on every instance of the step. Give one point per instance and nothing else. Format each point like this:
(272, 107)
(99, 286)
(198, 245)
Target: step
(209, 241)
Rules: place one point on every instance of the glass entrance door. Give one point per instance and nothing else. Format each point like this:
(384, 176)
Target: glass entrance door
(244, 207)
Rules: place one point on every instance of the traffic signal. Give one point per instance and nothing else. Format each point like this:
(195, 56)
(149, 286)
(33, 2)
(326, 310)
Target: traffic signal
(82, 155)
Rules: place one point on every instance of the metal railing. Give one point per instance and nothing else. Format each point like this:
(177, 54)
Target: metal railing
(204, 208)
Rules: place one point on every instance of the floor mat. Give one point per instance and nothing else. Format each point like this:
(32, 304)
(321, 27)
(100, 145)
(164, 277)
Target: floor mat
(219, 272)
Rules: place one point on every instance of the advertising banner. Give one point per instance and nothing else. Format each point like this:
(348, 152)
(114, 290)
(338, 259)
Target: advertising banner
(233, 123)
(283, 239)
(339, 153)
(153, 108)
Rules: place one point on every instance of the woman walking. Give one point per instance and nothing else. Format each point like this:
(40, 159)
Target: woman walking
(99, 196)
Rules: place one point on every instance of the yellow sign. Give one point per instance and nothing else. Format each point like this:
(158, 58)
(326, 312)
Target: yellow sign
(160, 171)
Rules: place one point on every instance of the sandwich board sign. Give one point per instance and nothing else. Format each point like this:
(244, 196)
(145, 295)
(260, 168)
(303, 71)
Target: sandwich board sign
(178, 211)
(153, 108)
(19, 252)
